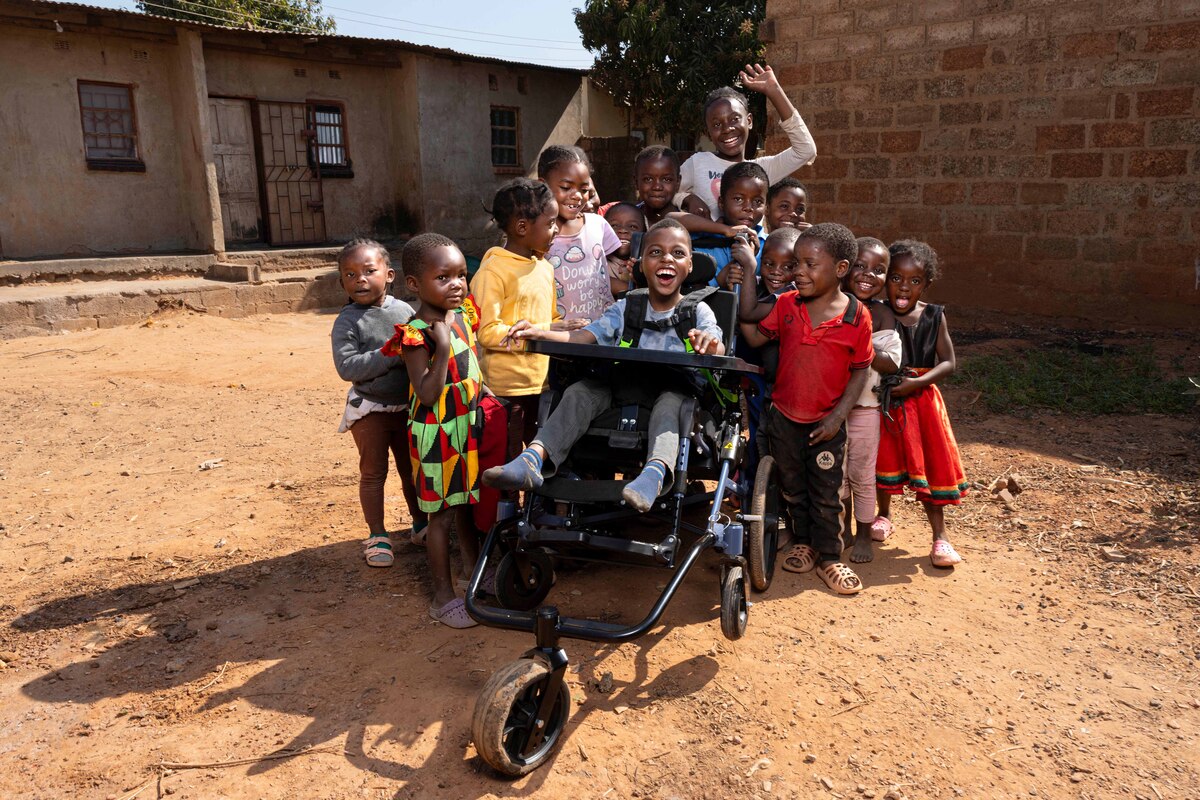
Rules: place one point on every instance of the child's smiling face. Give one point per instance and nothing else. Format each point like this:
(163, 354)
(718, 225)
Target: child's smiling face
(817, 272)
(625, 222)
(867, 273)
(657, 182)
(787, 208)
(666, 261)
(727, 123)
(366, 274)
(907, 280)
(778, 264)
(571, 183)
(744, 202)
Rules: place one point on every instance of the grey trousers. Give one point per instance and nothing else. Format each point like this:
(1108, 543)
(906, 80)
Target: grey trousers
(585, 400)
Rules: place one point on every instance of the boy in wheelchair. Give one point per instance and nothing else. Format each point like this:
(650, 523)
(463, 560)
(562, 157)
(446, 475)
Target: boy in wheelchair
(670, 324)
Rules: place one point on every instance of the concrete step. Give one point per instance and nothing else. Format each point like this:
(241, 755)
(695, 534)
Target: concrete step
(61, 270)
(39, 309)
(241, 263)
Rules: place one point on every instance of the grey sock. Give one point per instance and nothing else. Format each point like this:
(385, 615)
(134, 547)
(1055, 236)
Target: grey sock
(520, 473)
(642, 491)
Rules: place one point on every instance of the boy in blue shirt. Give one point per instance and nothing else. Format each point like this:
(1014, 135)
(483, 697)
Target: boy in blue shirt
(743, 201)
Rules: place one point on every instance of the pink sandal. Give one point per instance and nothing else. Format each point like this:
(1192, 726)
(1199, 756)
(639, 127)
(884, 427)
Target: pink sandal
(944, 554)
(881, 529)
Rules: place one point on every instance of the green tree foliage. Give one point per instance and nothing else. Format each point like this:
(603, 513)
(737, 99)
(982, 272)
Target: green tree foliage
(661, 57)
(292, 16)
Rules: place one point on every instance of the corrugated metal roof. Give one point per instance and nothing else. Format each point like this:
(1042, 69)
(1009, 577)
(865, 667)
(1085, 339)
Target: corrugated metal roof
(49, 5)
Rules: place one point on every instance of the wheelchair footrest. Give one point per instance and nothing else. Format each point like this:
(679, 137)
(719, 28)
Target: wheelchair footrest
(656, 552)
(567, 490)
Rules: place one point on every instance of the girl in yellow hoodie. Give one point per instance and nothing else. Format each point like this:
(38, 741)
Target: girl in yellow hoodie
(516, 282)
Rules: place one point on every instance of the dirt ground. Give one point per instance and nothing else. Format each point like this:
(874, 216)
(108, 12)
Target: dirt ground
(156, 613)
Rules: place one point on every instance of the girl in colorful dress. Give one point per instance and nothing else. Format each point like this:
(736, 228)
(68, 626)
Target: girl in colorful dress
(917, 446)
(438, 346)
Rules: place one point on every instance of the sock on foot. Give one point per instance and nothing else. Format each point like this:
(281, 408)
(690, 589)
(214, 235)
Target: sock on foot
(523, 472)
(642, 491)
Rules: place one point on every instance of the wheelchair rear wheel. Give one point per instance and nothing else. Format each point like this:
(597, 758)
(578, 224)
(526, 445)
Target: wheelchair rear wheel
(734, 608)
(506, 719)
(762, 534)
(524, 589)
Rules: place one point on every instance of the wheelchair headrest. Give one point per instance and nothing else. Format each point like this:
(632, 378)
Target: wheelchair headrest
(724, 306)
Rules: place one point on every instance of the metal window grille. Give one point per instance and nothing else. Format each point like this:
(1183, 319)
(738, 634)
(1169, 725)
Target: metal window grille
(109, 130)
(331, 136)
(505, 151)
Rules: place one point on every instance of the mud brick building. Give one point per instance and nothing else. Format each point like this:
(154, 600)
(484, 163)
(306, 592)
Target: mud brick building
(128, 133)
(1050, 151)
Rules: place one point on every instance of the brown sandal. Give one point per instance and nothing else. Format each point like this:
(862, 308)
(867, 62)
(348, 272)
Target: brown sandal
(840, 578)
(800, 558)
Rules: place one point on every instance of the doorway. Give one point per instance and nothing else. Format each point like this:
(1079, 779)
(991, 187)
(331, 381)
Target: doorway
(237, 177)
(293, 202)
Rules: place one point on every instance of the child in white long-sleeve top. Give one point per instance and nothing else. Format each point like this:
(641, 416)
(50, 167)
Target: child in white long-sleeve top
(727, 121)
(376, 404)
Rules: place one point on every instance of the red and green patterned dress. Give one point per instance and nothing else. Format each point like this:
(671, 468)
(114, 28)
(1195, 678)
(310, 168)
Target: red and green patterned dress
(443, 444)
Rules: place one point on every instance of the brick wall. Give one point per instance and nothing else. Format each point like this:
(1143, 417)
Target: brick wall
(1049, 151)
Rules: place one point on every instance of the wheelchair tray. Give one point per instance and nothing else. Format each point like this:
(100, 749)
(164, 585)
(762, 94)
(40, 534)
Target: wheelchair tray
(633, 354)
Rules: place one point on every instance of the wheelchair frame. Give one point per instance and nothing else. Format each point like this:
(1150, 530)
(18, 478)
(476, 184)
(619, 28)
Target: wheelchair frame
(521, 712)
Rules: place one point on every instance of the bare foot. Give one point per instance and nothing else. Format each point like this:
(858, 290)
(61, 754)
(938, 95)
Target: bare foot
(862, 552)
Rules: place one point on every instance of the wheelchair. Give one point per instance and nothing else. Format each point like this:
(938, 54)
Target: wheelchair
(522, 710)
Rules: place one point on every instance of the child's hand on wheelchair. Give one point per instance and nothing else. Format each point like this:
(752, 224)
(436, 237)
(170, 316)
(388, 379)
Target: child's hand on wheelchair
(568, 324)
(704, 344)
(734, 274)
(521, 330)
(742, 251)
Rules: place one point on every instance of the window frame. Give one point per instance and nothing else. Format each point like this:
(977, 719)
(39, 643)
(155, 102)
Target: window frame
(314, 152)
(506, 169)
(133, 164)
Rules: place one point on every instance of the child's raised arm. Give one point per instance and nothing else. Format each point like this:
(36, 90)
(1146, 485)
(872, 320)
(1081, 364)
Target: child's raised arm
(803, 150)
(428, 375)
(751, 312)
(694, 223)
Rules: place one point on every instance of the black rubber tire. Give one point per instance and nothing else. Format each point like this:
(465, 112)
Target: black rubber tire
(512, 591)
(504, 715)
(734, 609)
(762, 535)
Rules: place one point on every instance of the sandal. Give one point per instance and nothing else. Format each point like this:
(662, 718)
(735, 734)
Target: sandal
(840, 578)
(419, 529)
(378, 552)
(881, 529)
(800, 558)
(943, 554)
(453, 614)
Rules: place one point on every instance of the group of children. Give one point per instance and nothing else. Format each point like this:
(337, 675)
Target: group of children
(852, 354)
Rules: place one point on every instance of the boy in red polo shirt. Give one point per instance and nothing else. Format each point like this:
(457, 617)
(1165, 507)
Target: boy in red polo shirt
(824, 356)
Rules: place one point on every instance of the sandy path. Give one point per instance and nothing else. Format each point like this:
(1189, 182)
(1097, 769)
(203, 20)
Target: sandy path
(155, 612)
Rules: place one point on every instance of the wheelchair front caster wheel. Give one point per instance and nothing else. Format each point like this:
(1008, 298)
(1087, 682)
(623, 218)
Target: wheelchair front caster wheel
(524, 579)
(762, 534)
(733, 604)
(508, 730)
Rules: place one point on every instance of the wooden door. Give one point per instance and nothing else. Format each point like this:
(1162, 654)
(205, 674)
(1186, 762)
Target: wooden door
(237, 177)
(293, 203)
